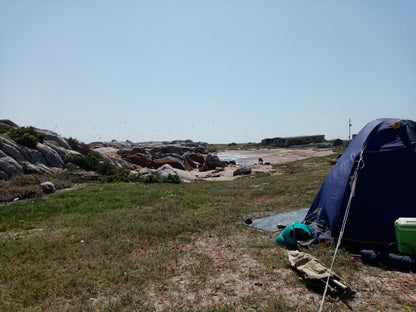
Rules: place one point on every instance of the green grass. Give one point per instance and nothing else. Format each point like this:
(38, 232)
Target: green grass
(227, 200)
(126, 246)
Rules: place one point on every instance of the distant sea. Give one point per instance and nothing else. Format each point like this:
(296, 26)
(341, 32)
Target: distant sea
(238, 158)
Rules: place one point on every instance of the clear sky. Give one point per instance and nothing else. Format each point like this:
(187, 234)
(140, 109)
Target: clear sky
(216, 71)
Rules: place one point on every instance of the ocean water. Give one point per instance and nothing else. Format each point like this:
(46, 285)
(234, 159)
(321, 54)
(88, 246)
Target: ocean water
(238, 158)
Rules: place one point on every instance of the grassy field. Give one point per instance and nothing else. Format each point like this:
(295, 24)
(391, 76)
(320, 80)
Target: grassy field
(175, 247)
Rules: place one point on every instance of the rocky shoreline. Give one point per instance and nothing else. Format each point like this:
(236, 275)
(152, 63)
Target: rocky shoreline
(54, 153)
(190, 161)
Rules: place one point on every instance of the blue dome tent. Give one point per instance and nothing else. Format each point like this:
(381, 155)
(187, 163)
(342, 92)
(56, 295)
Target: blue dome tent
(385, 186)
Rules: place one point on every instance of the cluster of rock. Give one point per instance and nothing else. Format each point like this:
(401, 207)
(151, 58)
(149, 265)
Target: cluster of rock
(162, 158)
(47, 157)
(183, 155)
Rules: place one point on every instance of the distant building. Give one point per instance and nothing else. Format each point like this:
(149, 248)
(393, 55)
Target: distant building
(291, 141)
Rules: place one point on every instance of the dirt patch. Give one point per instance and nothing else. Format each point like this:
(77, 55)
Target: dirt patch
(213, 272)
(216, 272)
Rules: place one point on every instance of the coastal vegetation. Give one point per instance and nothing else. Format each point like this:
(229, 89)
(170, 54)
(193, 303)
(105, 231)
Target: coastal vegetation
(27, 136)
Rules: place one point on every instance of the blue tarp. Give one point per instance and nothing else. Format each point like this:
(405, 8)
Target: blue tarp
(269, 223)
(386, 185)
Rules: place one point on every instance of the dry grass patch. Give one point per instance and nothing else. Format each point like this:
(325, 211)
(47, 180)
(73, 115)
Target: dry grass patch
(215, 271)
(28, 186)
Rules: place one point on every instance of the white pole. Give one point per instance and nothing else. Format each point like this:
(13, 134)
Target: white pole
(349, 129)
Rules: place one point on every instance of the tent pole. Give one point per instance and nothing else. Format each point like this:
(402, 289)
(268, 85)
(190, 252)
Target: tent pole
(344, 222)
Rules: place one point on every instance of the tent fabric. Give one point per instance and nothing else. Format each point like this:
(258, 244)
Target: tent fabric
(385, 187)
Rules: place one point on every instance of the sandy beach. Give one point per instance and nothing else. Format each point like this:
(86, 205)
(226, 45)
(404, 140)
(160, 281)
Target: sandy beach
(251, 158)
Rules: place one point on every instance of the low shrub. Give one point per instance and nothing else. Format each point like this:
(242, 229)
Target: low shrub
(78, 160)
(27, 136)
(78, 146)
(6, 125)
(118, 175)
(152, 179)
(5, 128)
(172, 178)
(92, 161)
(106, 168)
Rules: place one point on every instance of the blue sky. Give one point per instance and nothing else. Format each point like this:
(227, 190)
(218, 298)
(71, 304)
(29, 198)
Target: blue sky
(214, 71)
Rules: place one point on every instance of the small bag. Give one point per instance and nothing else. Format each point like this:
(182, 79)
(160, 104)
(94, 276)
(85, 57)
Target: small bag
(294, 234)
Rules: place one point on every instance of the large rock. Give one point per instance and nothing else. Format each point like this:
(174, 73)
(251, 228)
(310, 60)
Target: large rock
(155, 150)
(51, 156)
(189, 145)
(55, 148)
(35, 157)
(189, 163)
(161, 148)
(184, 176)
(196, 157)
(212, 162)
(119, 145)
(167, 170)
(144, 172)
(22, 153)
(6, 124)
(48, 187)
(53, 138)
(108, 151)
(174, 162)
(142, 160)
(14, 150)
(94, 145)
(3, 175)
(179, 154)
(171, 149)
(173, 155)
(137, 150)
(113, 160)
(9, 166)
(63, 152)
(31, 169)
(242, 171)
